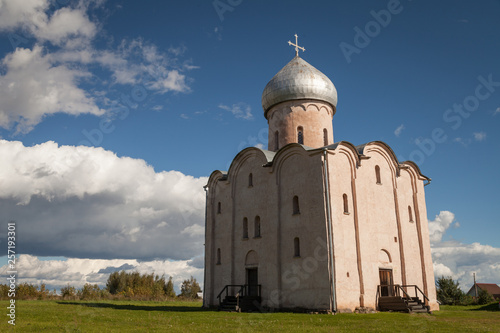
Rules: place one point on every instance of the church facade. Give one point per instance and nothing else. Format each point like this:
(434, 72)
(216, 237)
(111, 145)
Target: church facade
(315, 224)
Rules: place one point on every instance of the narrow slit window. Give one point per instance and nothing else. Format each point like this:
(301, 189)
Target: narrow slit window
(296, 208)
(245, 228)
(346, 204)
(296, 247)
(276, 140)
(218, 256)
(325, 137)
(219, 208)
(257, 227)
(410, 214)
(250, 180)
(300, 135)
(377, 174)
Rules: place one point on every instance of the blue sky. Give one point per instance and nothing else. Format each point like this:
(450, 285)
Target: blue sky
(171, 90)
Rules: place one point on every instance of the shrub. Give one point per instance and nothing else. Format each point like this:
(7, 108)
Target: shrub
(448, 292)
(190, 288)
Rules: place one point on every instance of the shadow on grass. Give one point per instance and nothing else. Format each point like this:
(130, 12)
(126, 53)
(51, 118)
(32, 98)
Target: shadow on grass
(170, 308)
(488, 307)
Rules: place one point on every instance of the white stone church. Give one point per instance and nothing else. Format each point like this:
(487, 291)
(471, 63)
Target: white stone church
(315, 224)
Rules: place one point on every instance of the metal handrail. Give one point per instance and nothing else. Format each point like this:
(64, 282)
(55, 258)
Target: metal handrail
(397, 287)
(243, 291)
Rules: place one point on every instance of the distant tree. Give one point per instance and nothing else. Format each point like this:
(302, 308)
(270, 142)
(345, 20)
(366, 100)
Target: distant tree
(169, 288)
(68, 291)
(89, 292)
(484, 297)
(190, 288)
(448, 291)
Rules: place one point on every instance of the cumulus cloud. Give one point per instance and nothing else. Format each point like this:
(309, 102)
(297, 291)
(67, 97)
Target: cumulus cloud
(439, 225)
(480, 136)
(32, 17)
(398, 130)
(77, 272)
(459, 260)
(239, 110)
(34, 87)
(42, 79)
(86, 202)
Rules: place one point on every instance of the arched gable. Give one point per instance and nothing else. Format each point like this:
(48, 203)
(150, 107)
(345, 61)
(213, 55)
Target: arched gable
(386, 152)
(415, 170)
(349, 150)
(214, 178)
(265, 156)
(286, 152)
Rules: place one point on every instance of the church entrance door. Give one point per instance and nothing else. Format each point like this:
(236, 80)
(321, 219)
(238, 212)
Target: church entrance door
(386, 283)
(252, 281)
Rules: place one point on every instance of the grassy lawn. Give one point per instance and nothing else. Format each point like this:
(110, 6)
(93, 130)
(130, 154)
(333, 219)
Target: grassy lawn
(132, 316)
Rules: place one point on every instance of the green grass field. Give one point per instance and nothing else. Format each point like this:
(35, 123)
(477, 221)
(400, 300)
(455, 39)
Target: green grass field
(133, 316)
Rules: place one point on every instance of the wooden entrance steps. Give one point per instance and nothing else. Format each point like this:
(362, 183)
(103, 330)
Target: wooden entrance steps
(240, 298)
(398, 303)
(397, 298)
(240, 304)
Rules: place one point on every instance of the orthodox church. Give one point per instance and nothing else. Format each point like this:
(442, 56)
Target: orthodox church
(315, 224)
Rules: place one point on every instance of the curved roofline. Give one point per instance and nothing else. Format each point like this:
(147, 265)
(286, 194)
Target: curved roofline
(417, 168)
(271, 157)
(268, 155)
(393, 155)
(382, 143)
(215, 173)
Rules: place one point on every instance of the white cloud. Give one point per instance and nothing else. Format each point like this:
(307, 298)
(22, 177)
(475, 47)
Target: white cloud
(77, 272)
(32, 16)
(239, 110)
(34, 87)
(463, 142)
(438, 227)
(15, 14)
(459, 260)
(480, 136)
(497, 111)
(98, 205)
(41, 80)
(398, 130)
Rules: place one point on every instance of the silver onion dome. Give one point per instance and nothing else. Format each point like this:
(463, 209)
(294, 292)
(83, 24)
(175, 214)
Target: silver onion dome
(298, 80)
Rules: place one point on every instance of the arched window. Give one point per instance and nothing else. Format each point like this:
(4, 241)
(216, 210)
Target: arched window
(218, 256)
(245, 227)
(346, 204)
(276, 140)
(250, 180)
(377, 174)
(300, 135)
(219, 208)
(296, 208)
(257, 226)
(296, 247)
(410, 215)
(325, 137)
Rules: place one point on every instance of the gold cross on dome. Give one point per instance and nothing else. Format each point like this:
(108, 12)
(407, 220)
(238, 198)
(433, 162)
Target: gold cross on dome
(297, 47)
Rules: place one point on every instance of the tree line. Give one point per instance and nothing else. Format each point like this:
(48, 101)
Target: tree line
(120, 285)
(449, 293)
